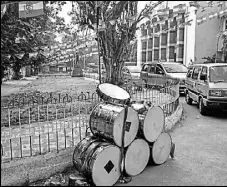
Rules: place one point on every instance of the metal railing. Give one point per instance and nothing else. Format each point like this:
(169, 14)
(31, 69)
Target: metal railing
(37, 123)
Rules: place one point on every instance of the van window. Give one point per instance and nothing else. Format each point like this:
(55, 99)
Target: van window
(204, 71)
(189, 74)
(152, 68)
(145, 67)
(158, 69)
(196, 73)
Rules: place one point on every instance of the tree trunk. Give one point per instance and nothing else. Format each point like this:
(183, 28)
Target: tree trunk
(115, 50)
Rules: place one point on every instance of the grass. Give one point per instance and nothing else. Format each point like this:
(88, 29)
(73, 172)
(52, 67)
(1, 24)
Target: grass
(24, 91)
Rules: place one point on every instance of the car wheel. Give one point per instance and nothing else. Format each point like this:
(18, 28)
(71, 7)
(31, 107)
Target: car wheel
(202, 107)
(188, 99)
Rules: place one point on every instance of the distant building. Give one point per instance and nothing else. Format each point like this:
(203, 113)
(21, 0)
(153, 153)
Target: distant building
(165, 37)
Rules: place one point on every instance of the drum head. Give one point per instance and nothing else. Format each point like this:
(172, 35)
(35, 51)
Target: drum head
(153, 123)
(137, 157)
(114, 91)
(106, 169)
(161, 148)
(131, 129)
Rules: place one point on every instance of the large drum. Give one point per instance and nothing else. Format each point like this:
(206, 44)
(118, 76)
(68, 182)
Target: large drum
(136, 157)
(98, 160)
(160, 150)
(112, 93)
(106, 121)
(151, 123)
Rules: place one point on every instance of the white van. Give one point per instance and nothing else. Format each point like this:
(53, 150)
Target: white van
(206, 84)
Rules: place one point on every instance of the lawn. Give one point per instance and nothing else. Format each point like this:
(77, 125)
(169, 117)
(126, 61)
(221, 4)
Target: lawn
(48, 84)
(23, 91)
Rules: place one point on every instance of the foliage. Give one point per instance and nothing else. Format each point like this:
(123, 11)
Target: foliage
(117, 21)
(26, 35)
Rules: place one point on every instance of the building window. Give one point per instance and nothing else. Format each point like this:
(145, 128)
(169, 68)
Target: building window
(171, 52)
(181, 34)
(150, 31)
(163, 54)
(172, 37)
(181, 51)
(156, 54)
(144, 44)
(157, 28)
(156, 42)
(149, 56)
(144, 54)
(150, 43)
(144, 32)
(164, 39)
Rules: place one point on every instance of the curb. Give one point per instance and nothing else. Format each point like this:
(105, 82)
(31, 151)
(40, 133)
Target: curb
(172, 120)
(24, 171)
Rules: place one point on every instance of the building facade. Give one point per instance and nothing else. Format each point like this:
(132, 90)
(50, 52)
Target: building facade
(210, 30)
(166, 38)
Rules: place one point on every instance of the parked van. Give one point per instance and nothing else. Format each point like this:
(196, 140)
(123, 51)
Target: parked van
(158, 72)
(206, 84)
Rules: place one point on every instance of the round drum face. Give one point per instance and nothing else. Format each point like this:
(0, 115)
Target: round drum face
(114, 91)
(137, 157)
(161, 148)
(153, 123)
(131, 127)
(106, 169)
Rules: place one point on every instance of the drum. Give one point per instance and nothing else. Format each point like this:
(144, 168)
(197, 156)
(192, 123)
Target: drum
(160, 150)
(100, 162)
(80, 152)
(112, 93)
(151, 123)
(106, 121)
(136, 157)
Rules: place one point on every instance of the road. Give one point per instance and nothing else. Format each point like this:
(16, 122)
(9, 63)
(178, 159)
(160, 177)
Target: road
(200, 155)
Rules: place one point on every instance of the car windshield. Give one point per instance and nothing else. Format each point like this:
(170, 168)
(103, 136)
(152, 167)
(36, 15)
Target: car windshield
(175, 68)
(218, 74)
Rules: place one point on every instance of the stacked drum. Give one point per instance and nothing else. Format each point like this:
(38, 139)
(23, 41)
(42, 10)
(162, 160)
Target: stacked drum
(126, 136)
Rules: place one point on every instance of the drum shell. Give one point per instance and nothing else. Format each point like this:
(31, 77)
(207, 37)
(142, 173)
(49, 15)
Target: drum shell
(142, 132)
(106, 122)
(110, 99)
(142, 157)
(80, 152)
(88, 151)
(151, 145)
(92, 157)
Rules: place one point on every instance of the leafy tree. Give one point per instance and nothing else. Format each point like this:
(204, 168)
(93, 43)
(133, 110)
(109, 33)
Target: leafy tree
(26, 35)
(118, 20)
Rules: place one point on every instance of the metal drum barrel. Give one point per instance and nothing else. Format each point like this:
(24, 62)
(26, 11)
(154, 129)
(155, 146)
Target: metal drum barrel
(136, 157)
(160, 149)
(106, 121)
(151, 123)
(100, 161)
(112, 93)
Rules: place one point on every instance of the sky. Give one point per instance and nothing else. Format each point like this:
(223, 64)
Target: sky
(66, 8)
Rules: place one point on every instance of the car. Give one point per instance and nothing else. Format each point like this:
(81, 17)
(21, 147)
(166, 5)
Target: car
(126, 73)
(206, 84)
(156, 73)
